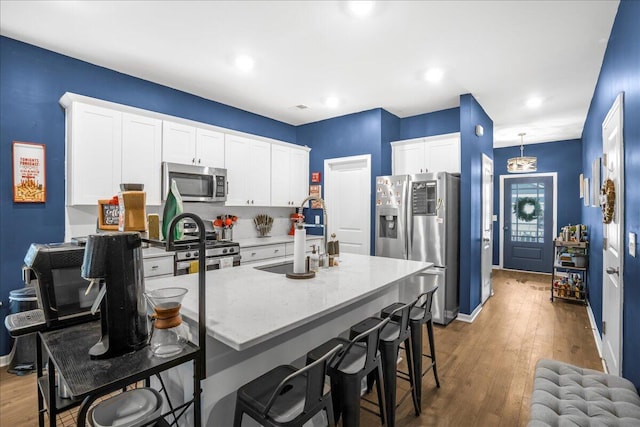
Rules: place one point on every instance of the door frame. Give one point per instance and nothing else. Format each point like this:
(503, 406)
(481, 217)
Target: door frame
(351, 159)
(554, 229)
(483, 297)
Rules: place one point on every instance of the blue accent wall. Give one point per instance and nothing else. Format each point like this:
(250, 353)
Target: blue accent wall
(430, 124)
(561, 157)
(32, 80)
(351, 135)
(471, 149)
(620, 72)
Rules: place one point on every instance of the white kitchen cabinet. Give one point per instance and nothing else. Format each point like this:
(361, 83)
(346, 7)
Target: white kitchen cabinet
(440, 153)
(106, 148)
(258, 253)
(93, 153)
(289, 175)
(142, 154)
(248, 164)
(191, 145)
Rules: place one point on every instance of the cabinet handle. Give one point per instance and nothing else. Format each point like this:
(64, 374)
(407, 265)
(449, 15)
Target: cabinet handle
(155, 267)
(253, 254)
(252, 202)
(248, 202)
(276, 250)
(199, 160)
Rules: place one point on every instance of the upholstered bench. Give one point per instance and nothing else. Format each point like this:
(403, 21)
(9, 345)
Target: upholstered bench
(566, 395)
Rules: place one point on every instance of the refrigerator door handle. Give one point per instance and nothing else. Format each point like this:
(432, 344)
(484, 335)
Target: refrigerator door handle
(408, 245)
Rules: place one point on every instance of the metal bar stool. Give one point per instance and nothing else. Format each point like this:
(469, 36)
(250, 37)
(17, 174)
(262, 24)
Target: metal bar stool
(359, 359)
(286, 396)
(420, 315)
(391, 336)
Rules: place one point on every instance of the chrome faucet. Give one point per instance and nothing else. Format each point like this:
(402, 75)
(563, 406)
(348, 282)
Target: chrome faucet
(324, 217)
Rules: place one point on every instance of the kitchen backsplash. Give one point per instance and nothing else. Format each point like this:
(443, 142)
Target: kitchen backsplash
(81, 220)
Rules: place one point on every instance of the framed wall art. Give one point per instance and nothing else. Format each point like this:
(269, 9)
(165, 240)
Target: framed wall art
(29, 173)
(581, 181)
(586, 191)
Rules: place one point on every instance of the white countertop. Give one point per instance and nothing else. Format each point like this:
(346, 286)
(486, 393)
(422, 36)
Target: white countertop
(246, 306)
(271, 240)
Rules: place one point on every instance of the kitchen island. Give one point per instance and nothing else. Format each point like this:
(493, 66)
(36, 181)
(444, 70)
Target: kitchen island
(257, 320)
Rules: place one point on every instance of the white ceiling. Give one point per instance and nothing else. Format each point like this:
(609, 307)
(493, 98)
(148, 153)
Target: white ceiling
(503, 52)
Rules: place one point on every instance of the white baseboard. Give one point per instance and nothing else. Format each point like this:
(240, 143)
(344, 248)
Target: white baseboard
(4, 360)
(469, 318)
(596, 336)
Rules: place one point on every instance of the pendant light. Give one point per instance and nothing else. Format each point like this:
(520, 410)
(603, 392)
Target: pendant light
(522, 164)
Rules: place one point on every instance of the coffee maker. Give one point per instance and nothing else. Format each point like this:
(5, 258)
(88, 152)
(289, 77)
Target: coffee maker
(116, 260)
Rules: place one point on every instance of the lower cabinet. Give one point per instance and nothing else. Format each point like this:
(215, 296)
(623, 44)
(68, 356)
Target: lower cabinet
(157, 265)
(276, 252)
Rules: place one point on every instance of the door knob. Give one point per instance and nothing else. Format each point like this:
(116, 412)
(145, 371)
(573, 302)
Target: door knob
(505, 228)
(612, 270)
(486, 240)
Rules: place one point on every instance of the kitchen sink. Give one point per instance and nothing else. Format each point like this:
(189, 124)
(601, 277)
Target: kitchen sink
(278, 268)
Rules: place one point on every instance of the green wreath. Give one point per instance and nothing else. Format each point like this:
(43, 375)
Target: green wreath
(527, 209)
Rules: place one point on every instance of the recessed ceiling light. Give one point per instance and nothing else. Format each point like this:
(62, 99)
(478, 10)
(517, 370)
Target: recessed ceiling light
(360, 9)
(433, 75)
(534, 102)
(332, 102)
(244, 63)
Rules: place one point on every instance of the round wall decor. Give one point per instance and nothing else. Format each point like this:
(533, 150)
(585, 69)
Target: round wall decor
(608, 200)
(527, 209)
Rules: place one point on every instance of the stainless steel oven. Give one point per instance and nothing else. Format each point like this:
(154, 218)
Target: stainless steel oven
(220, 254)
(195, 183)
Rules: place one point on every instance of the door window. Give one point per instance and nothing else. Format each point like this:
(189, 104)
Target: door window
(527, 212)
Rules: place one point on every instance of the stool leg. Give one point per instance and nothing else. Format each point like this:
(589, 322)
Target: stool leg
(432, 349)
(416, 346)
(237, 419)
(414, 380)
(329, 411)
(351, 403)
(336, 398)
(380, 390)
(389, 367)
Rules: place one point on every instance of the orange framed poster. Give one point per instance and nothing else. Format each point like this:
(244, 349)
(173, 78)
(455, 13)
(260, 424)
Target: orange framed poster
(29, 175)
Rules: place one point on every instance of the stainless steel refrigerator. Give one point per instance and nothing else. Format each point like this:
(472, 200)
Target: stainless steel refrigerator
(418, 218)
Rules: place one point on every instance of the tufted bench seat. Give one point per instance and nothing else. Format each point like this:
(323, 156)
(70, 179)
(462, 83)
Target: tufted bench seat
(566, 395)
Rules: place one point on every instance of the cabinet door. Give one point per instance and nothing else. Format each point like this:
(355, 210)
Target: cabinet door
(409, 158)
(93, 154)
(259, 174)
(142, 154)
(236, 159)
(444, 155)
(299, 176)
(209, 148)
(178, 143)
(280, 175)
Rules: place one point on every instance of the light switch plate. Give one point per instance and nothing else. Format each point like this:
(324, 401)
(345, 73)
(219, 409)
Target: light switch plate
(494, 217)
(632, 244)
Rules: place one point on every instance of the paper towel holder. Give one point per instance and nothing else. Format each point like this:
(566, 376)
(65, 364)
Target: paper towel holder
(307, 275)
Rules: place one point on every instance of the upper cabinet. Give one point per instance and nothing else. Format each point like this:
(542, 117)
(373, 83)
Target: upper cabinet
(289, 175)
(191, 145)
(439, 153)
(106, 148)
(248, 163)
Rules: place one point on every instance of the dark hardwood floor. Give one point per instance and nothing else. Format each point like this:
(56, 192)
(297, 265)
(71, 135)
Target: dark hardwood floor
(485, 367)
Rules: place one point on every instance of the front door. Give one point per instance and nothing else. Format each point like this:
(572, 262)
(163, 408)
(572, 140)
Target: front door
(613, 247)
(487, 226)
(528, 223)
(347, 192)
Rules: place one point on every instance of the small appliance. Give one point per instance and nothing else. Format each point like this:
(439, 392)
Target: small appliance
(60, 288)
(116, 260)
(195, 183)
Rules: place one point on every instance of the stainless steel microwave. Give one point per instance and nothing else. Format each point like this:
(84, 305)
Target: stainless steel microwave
(195, 183)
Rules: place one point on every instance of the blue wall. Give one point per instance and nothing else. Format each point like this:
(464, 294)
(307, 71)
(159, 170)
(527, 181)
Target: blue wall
(620, 72)
(561, 157)
(471, 149)
(430, 124)
(32, 80)
(350, 135)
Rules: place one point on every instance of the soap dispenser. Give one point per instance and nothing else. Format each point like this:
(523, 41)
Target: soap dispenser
(314, 260)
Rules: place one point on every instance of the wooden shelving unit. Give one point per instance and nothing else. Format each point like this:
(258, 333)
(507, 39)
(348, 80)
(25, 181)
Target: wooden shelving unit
(569, 272)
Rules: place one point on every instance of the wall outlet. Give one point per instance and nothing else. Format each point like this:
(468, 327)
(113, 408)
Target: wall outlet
(632, 244)
(317, 219)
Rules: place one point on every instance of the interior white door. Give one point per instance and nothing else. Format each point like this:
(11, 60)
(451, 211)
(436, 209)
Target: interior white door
(487, 227)
(613, 246)
(347, 193)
